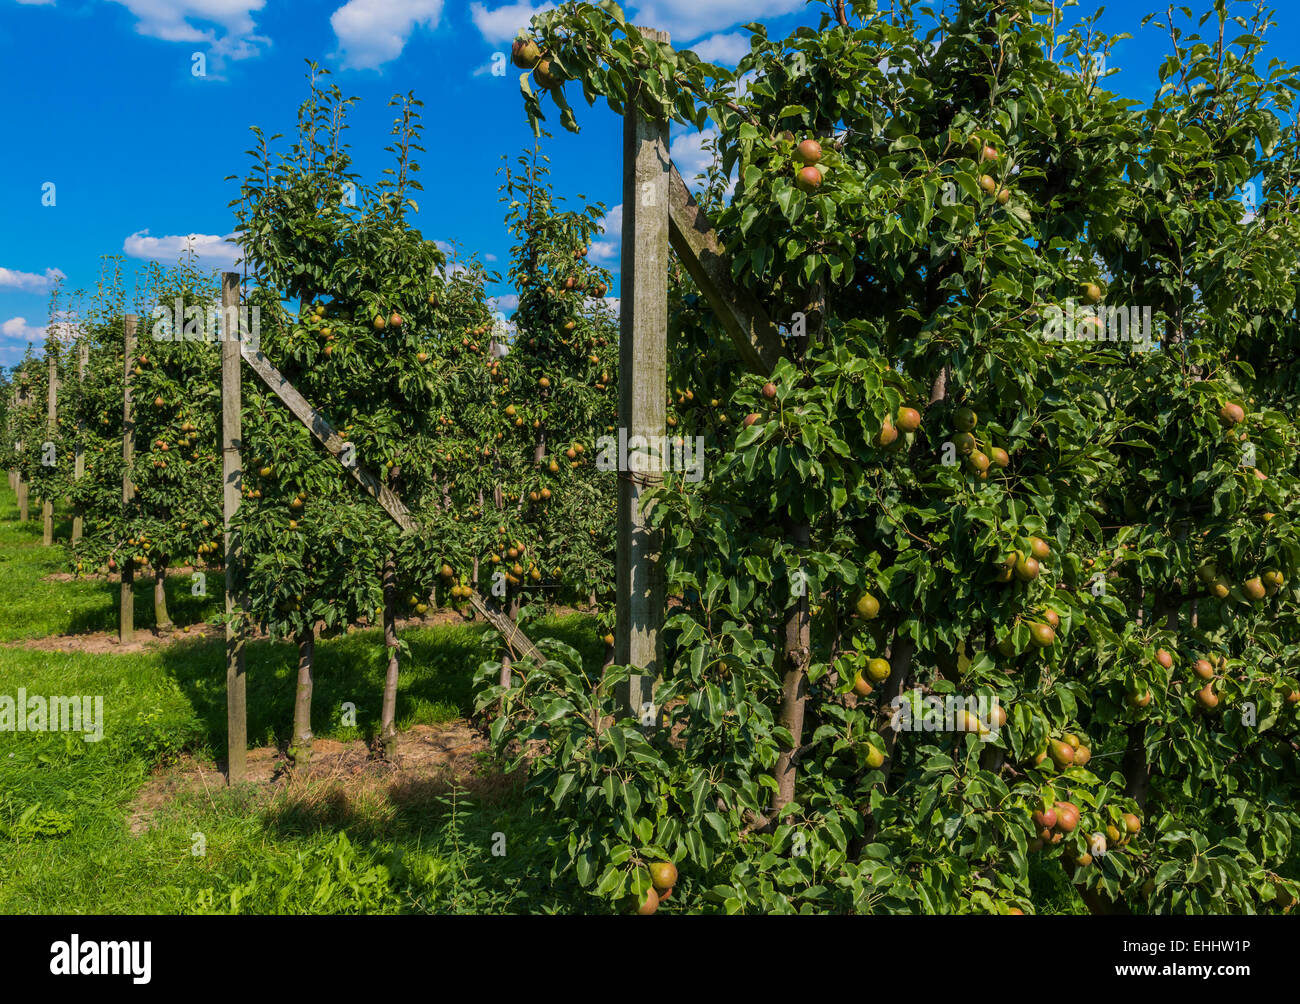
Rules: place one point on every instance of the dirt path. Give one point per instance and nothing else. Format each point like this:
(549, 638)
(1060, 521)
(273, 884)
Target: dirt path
(430, 758)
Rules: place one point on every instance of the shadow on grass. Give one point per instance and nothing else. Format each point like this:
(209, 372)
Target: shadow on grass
(459, 817)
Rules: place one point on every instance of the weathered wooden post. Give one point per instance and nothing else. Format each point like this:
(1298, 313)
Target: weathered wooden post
(232, 334)
(79, 463)
(126, 623)
(51, 426)
(642, 396)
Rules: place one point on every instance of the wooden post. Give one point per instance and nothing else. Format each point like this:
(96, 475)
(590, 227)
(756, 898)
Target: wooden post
(126, 622)
(232, 474)
(52, 426)
(79, 463)
(642, 397)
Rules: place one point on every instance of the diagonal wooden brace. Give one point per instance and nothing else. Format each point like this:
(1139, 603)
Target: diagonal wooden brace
(696, 243)
(335, 445)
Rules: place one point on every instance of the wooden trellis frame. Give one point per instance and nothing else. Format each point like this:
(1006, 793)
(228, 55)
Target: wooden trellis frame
(392, 503)
(234, 349)
(659, 213)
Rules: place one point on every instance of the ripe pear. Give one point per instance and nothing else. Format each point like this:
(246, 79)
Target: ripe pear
(1042, 635)
(663, 874)
(524, 53)
(1062, 753)
(808, 180)
(1027, 569)
(868, 607)
(878, 670)
(545, 78)
(810, 152)
(1232, 413)
(649, 905)
(908, 420)
(1067, 816)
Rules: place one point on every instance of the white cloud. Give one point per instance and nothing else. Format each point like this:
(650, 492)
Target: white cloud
(16, 330)
(16, 333)
(233, 37)
(593, 303)
(506, 301)
(610, 249)
(373, 32)
(501, 25)
(29, 282)
(690, 19)
(211, 250)
(689, 155)
(725, 50)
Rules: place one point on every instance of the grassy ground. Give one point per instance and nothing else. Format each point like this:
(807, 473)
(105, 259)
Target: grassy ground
(65, 845)
(34, 606)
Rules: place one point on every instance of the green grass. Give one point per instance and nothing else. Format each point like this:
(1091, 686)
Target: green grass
(35, 606)
(65, 846)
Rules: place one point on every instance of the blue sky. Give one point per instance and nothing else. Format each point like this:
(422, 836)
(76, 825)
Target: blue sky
(101, 102)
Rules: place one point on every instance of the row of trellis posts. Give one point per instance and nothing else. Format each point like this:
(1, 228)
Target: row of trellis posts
(659, 214)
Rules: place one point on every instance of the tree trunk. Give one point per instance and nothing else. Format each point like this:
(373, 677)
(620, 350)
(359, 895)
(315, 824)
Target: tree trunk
(161, 618)
(1137, 772)
(388, 726)
(22, 499)
(302, 734)
(795, 656)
